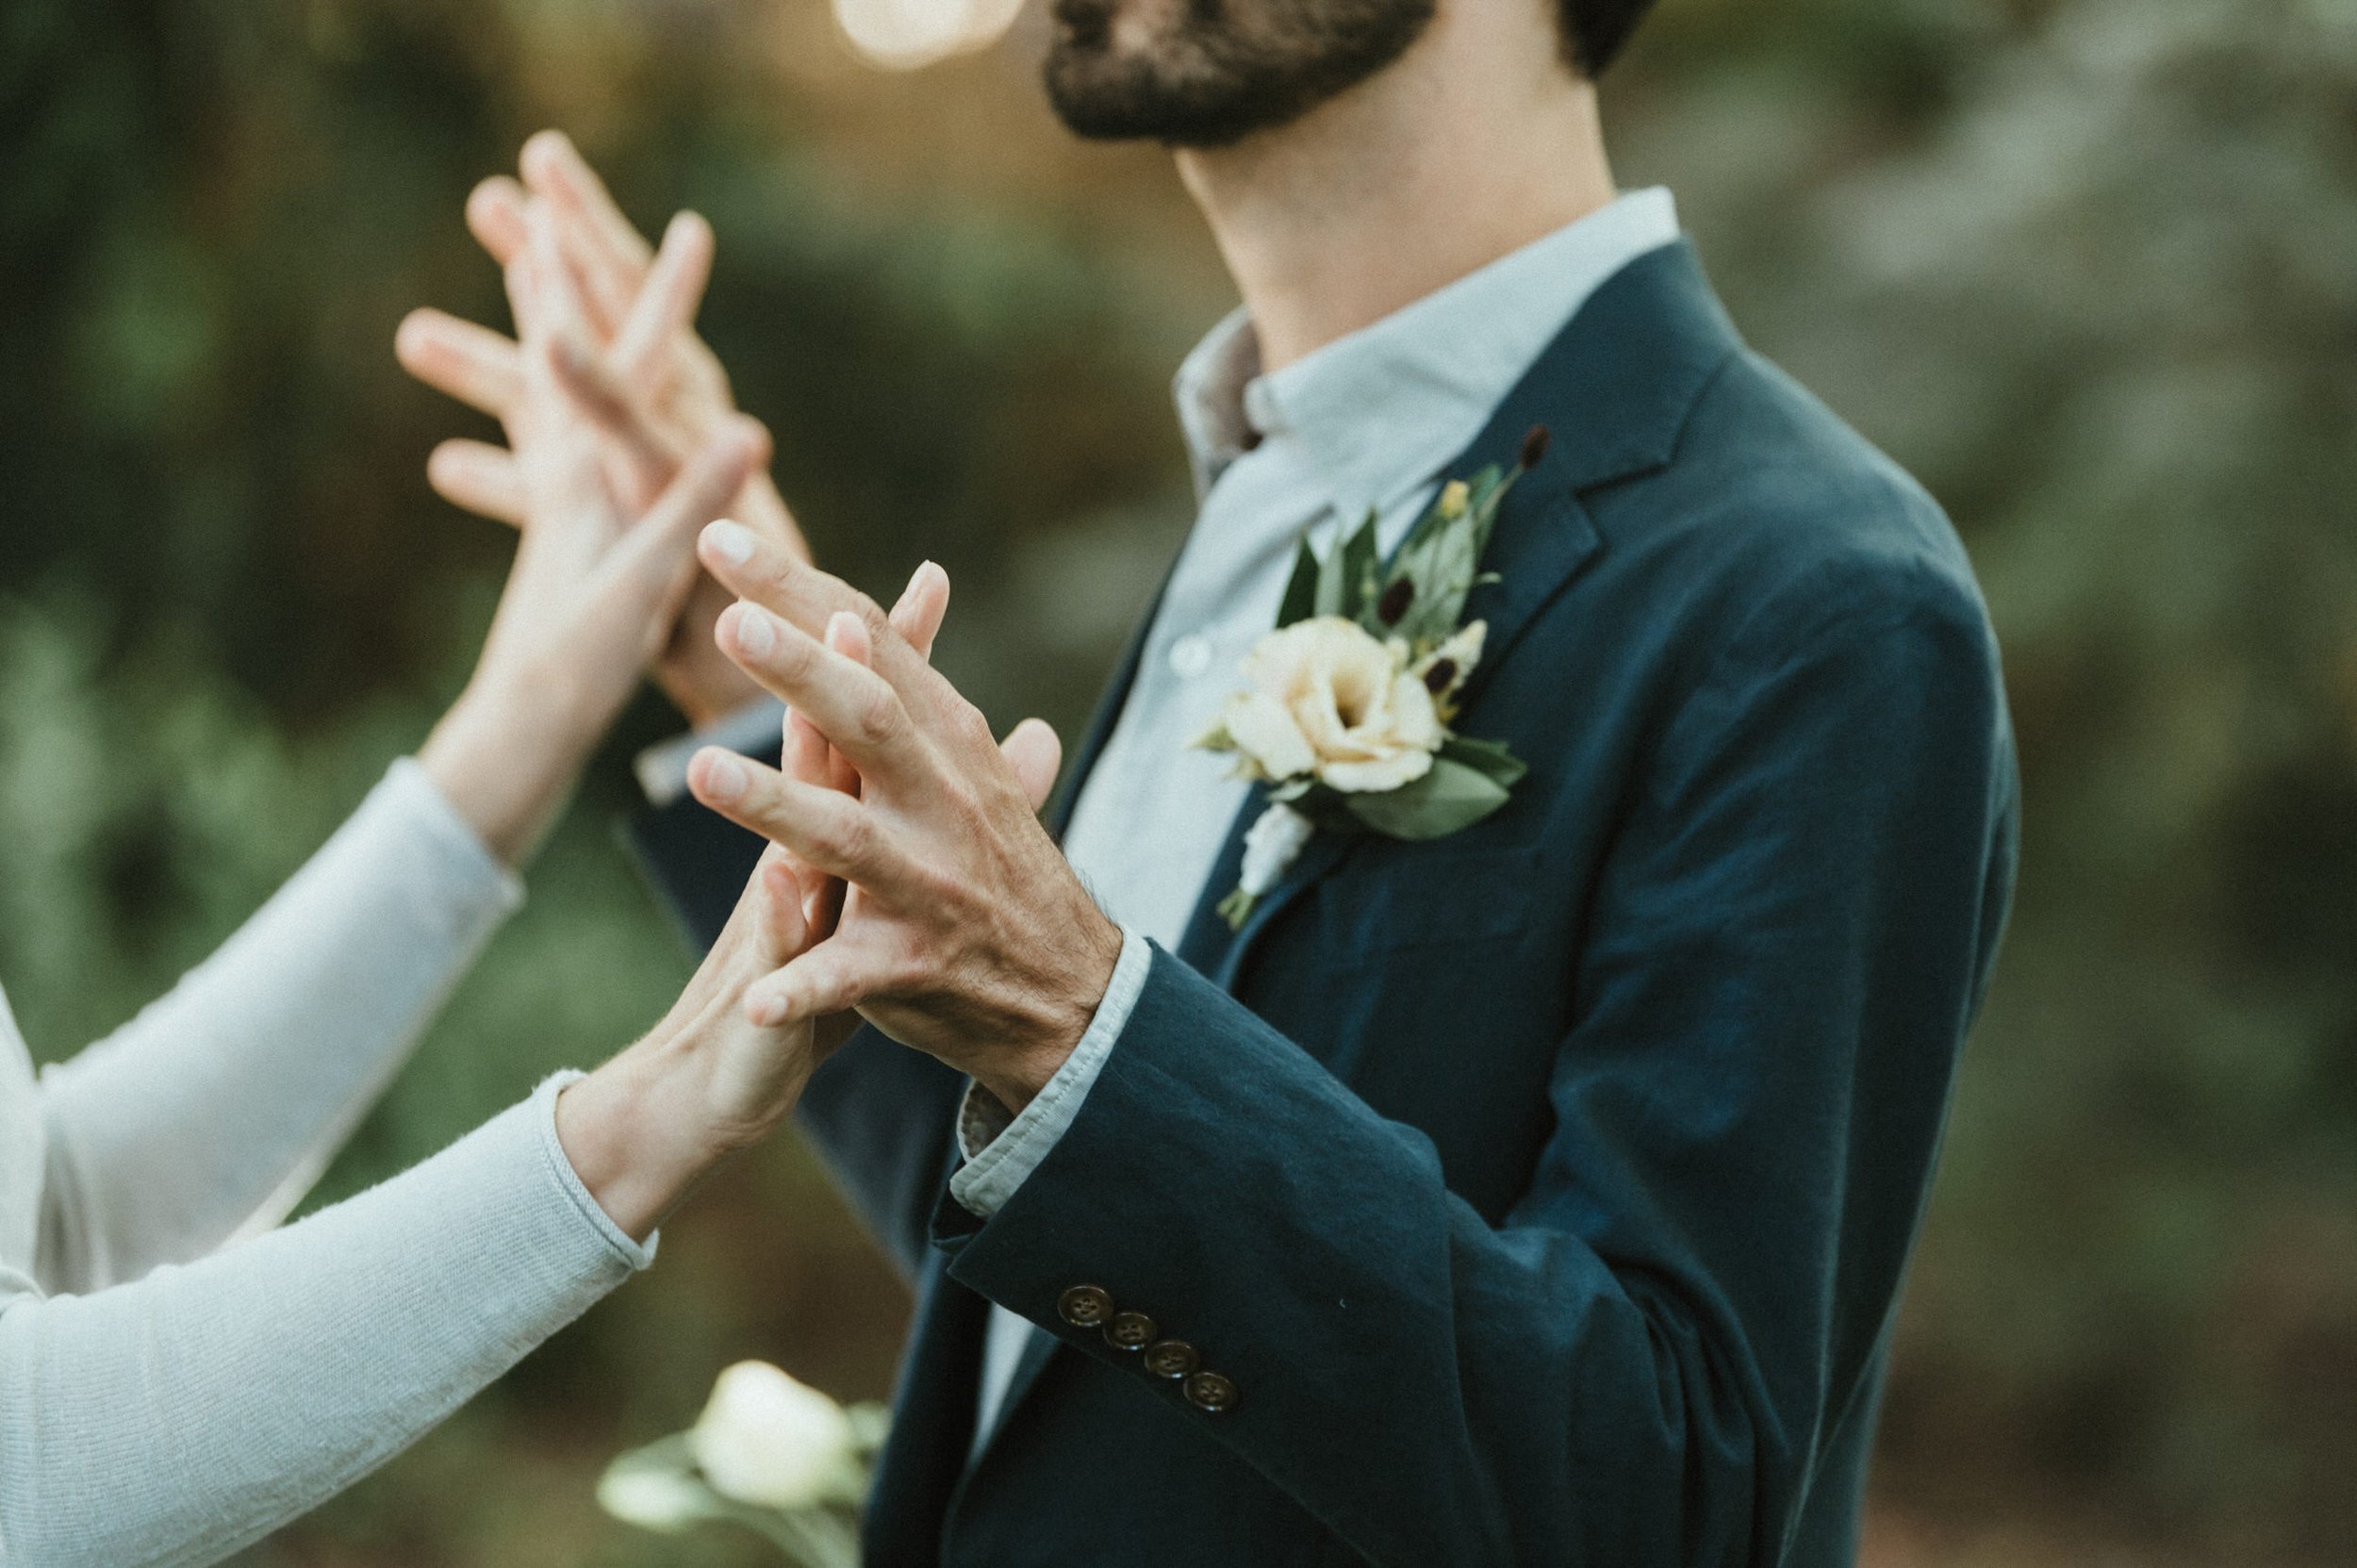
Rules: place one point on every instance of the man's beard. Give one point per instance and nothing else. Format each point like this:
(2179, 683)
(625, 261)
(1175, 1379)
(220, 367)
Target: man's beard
(1213, 72)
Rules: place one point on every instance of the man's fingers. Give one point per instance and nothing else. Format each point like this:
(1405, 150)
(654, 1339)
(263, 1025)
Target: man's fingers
(480, 478)
(660, 542)
(611, 253)
(478, 367)
(923, 604)
(855, 708)
(667, 302)
(563, 312)
(554, 167)
(523, 293)
(768, 573)
(594, 393)
(495, 216)
(825, 829)
(1036, 755)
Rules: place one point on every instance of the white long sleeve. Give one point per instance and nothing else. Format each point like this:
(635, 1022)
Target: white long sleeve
(211, 1113)
(174, 1420)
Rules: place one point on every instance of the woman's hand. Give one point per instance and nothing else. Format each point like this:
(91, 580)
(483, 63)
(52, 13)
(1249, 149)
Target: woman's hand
(591, 599)
(707, 1081)
(631, 355)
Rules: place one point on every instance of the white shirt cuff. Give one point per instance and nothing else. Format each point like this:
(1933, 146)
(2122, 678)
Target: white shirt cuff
(1001, 1150)
(756, 728)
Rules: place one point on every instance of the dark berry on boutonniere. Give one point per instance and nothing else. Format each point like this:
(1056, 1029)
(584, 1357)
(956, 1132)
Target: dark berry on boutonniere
(1395, 601)
(1442, 676)
(1535, 445)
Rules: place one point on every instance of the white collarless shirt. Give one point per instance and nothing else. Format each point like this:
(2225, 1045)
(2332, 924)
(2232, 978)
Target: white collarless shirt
(1365, 425)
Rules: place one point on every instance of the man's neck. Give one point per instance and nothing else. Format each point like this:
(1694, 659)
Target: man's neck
(1472, 145)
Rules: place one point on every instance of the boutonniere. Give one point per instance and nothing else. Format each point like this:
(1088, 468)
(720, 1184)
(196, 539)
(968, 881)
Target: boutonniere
(1346, 705)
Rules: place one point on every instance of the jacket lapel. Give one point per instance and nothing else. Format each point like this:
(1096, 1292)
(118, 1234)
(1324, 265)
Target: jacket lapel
(1614, 389)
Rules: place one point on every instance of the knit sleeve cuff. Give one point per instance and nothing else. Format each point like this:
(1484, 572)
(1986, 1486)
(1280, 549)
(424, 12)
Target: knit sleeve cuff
(560, 1165)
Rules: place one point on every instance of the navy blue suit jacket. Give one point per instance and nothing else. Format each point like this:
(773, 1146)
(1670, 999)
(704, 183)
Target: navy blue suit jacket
(1544, 1190)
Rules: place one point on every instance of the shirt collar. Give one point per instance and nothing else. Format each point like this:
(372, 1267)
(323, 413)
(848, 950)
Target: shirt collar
(1379, 412)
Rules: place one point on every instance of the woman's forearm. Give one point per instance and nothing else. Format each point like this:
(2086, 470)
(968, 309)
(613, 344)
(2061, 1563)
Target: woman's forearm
(215, 1108)
(506, 758)
(173, 1420)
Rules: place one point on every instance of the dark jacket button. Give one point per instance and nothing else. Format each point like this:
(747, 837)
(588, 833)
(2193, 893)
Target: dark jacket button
(1172, 1358)
(1211, 1393)
(1085, 1305)
(1131, 1331)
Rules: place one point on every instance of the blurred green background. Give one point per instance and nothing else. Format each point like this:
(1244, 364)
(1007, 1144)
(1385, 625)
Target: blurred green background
(2089, 267)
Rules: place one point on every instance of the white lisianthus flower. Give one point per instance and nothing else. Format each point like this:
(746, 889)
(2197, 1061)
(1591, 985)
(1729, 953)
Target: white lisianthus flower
(769, 1440)
(1327, 697)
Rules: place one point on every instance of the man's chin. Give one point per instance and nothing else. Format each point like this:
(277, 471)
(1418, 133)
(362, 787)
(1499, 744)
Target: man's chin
(1101, 99)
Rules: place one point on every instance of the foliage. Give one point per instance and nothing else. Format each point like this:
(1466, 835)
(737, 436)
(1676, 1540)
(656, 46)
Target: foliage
(2089, 267)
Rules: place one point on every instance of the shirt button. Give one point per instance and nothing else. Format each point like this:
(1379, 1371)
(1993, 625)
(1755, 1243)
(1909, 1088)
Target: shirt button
(1085, 1305)
(1172, 1358)
(1190, 656)
(1211, 1393)
(1131, 1331)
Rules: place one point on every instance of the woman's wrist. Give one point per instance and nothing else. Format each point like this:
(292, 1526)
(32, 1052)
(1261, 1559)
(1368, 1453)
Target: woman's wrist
(505, 763)
(642, 1130)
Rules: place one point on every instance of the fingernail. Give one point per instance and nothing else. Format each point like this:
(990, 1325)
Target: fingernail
(754, 633)
(843, 630)
(724, 776)
(731, 541)
(768, 1011)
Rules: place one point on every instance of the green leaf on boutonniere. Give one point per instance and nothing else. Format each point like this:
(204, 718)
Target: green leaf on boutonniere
(1301, 589)
(1490, 758)
(1440, 557)
(1454, 795)
(1347, 578)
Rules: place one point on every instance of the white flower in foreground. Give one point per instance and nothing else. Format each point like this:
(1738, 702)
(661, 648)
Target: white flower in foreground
(769, 1440)
(1327, 697)
(653, 1499)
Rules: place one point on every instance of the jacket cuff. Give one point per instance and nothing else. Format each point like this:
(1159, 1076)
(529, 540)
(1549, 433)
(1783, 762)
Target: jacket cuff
(1000, 1152)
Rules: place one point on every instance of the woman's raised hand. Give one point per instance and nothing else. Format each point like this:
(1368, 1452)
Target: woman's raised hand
(641, 379)
(598, 581)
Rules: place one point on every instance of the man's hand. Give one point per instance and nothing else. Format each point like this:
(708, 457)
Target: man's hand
(639, 375)
(967, 935)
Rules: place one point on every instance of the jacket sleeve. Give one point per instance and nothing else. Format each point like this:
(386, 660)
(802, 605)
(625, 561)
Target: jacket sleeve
(1639, 1364)
(881, 1115)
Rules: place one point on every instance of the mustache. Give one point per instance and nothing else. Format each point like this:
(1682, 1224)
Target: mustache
(1086, 21)
(1090, 22)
